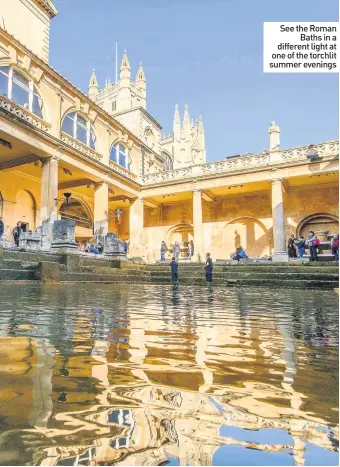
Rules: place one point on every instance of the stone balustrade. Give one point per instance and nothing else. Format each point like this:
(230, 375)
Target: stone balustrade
(245, 162)
(25, 115)
(83, 148)
(122, 171)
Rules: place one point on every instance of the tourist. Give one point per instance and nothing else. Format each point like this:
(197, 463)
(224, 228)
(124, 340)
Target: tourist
(16, 233)
(100, 248)
(292, 247)
(191, 249)
(126, 246)
(312, 243)
(239, 254)
(164, 249)
(335, 247)
(177, 250)
(93, 249)
(208, 268)
(2, 227)
(301, 246)
(174, 271)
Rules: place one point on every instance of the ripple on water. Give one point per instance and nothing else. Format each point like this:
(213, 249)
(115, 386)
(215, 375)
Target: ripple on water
(150, 375)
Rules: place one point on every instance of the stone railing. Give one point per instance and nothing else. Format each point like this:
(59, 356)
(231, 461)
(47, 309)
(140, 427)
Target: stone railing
(83, 148)
(122, 171)
(248, 162)
(330, 148)
(25, 115)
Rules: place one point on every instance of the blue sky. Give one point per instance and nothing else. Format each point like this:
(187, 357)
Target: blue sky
(207, 54)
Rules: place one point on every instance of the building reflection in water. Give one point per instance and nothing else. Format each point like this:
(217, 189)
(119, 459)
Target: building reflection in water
(155, 374)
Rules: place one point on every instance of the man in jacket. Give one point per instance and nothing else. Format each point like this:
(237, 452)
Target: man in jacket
(17, 233)
(174, 271)
(2, 228)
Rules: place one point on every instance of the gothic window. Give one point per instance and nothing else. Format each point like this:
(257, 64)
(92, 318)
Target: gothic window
(168, 164)
(76, 126)
(121, 156)
(114, 106)
(21, 90)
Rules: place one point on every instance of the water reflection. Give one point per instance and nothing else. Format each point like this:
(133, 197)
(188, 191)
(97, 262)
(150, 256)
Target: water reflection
(153, 375)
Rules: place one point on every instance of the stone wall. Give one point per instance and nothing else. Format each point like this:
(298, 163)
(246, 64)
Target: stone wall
(244, 220)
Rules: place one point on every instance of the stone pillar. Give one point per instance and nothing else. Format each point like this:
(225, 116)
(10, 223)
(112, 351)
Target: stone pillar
(52, 189)
(101, 208)
(45, 175)
(198, 226)
(280, 252)
(136, 247)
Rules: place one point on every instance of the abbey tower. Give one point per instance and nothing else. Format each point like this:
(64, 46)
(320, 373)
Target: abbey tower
(125, 100)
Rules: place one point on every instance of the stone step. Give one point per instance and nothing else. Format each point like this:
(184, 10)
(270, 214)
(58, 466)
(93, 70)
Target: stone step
(115, 271)
(17, 264)
(17, 274)
(90, 277)
(289, 284)
(26, 256)
(315, 275)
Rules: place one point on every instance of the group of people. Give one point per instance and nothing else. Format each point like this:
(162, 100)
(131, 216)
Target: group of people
(208, 268)
(99, 249)
(239, 254)
(176, 249)
(297, 247)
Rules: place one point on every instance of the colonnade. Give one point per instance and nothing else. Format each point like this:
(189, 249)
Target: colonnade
(48, 211)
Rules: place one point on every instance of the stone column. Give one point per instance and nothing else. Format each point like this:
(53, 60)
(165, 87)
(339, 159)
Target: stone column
(198, 226)
(280, 252)
(53, 189)
(101, 208)
(45, 175)
(136, 247)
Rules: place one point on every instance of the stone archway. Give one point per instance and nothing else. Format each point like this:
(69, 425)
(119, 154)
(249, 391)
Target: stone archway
(248, 232)
(324, 225)
(78, 211)
(25, 210)
(182, 233)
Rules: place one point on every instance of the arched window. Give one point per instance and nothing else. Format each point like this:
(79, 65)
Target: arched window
(149, 137)
(76, 126)
(121, 156)
(20, 89)
(168, 164)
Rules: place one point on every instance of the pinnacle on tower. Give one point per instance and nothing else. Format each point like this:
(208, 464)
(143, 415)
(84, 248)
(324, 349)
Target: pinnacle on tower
(93, 85)
(176, 116)
(200, 124)
(186, 122)
(140, 77)
(125, 65)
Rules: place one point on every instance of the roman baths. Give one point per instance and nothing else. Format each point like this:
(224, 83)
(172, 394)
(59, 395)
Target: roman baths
(106, 358)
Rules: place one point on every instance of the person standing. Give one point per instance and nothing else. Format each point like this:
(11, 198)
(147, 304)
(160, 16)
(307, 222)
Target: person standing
(334, 245)
(16, 233)
(301, 246)
(208, 269)
(126, 246)
(292, 247)
(164, 249)
(177, 250)
(2, 227)
(174, 271)
(191, 249)
(312, 243)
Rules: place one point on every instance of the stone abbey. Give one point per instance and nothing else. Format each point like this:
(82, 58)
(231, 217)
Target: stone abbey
(123, 175)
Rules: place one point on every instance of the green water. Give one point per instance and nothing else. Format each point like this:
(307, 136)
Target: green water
(151, 375)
